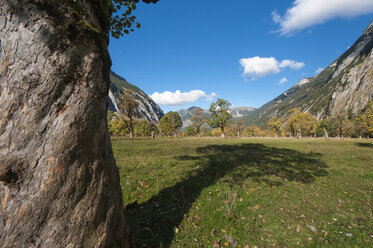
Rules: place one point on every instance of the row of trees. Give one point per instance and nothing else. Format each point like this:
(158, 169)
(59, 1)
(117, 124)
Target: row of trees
(298, 124)
(126, 121)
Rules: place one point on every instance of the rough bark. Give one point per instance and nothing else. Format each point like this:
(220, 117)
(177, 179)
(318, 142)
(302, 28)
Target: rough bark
(59, 186)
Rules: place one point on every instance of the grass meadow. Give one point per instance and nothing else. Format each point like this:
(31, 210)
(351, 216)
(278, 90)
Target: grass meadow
(265, 192)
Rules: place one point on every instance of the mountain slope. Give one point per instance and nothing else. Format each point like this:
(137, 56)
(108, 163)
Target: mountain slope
(346, 84)
(147, 107)
(186, 114)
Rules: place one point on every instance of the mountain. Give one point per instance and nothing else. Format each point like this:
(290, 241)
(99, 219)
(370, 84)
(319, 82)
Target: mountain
(186, 114)
(346, 84)
(241, 111)
(147, 107)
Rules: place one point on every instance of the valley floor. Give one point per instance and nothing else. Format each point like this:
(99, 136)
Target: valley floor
(212, 192)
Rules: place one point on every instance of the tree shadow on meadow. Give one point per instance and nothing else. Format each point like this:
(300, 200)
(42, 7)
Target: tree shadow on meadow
(366, 145)
(153, 222)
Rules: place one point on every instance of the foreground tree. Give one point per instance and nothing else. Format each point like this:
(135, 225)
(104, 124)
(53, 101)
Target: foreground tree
(59, 186)
(220, 115)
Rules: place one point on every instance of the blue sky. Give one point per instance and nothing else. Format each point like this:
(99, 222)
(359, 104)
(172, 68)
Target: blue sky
(247, 52)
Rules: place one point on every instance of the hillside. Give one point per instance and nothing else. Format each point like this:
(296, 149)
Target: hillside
(343, 85)
(147, 107)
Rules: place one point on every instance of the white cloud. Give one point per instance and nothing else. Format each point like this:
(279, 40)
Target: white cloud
(319, 70)
(257, 67)
(178, 98)
(210, 97)
(292, 64)
(283, 80)
(305, 13)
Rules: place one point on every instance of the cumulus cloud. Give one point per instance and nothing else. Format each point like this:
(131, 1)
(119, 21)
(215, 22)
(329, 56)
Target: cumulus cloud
(178, 98)
(319, 70)
(305, 13)
(210, 97)
(283, 80)
(257, 67)
(292, 64)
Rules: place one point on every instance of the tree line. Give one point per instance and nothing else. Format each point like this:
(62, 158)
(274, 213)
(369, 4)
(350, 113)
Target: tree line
(296, 124)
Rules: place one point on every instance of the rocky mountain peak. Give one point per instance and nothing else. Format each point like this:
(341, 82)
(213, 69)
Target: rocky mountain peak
(345, 85)
(369, 29)
(147, 108)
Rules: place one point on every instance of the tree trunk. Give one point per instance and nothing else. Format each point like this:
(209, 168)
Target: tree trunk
(152, 134)
(59, 186)
(326, 136)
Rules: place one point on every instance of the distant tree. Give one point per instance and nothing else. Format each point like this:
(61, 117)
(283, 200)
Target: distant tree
(364, 121)
(170, 123)
(275, 124)
(324, 129)
(144, 128)
(253, 131)
(205, 131)
(117, 127)
(216, 132)
(350, 114)
(154, 130)
(342, 126)
(110, 115)
(229, 130)
(190, 131)
(127, 110)
(237, 126)
(220, 115)
(198, 119)
(301, 123)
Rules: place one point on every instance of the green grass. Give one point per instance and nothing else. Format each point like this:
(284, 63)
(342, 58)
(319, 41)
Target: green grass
(210, 192)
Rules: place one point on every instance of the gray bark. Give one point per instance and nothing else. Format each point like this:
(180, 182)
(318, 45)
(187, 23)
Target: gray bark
(59, 186)
(326, 136)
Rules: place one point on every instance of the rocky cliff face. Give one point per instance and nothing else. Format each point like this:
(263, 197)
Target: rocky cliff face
(346, 84)
(59, 186)
(148, 109)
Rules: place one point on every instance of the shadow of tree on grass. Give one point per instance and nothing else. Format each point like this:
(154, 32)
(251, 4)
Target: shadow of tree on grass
(362, 144)
(153, 221)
